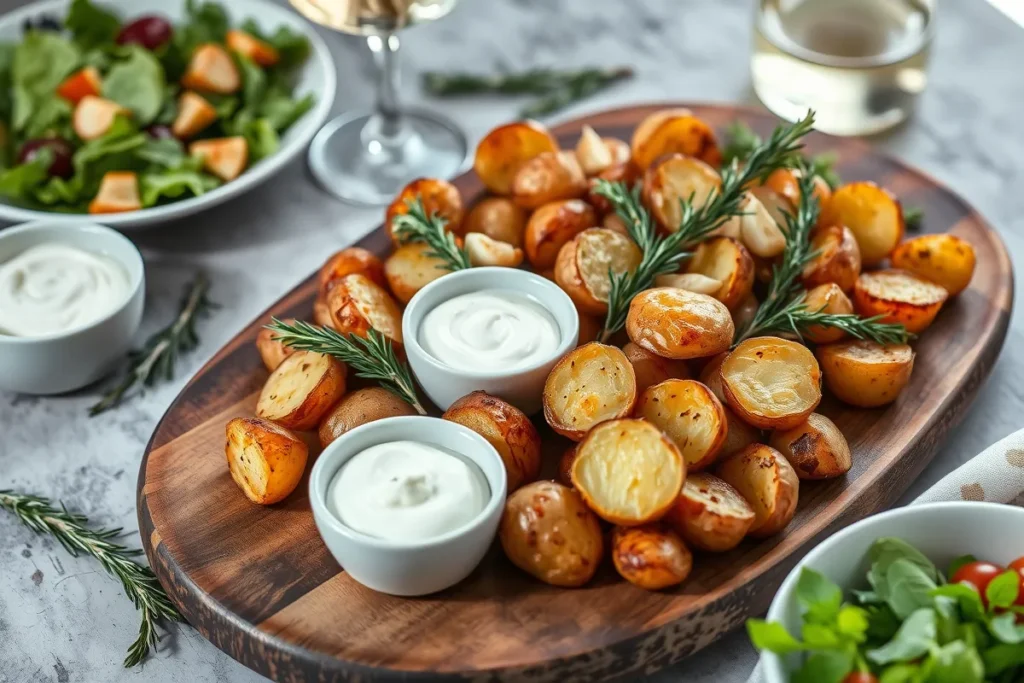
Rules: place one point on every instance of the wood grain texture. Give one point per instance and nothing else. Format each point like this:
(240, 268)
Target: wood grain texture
(260, 584)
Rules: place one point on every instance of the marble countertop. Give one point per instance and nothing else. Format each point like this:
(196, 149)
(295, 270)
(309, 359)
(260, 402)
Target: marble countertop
(63, 619)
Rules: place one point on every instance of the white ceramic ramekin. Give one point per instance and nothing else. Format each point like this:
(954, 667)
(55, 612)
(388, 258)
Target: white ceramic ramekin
(409, 568)
(62, 362)
(521, 387)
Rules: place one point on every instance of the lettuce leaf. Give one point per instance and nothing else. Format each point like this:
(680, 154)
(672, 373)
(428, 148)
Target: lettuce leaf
(261, 139)
(41, 61)
(91, 25)
(18, 182)
(282, 110)
(292, 47)
(137, 83)
(174, 184)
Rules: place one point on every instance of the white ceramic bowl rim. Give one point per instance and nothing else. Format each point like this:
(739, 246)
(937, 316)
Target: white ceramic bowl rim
(135, 270)
(318, 487)
(565, 344)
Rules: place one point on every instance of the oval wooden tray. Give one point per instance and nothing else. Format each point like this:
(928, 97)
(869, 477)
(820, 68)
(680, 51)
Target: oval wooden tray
(260, 584)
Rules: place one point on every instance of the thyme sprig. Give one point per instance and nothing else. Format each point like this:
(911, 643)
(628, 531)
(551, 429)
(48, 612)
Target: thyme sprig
(417, 226)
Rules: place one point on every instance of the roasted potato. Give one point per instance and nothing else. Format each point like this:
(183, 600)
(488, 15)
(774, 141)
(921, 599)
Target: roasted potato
(547, 531)
(584, 263)
(502, 151)
(358, 408)
(675, 179)
(756, 227)
(596, 154)
(739, 434)
(727, 261)
(506, 428)
(691, 282)
(499, 218)
(866, 374)
(628, 472)
(347, 262)
(767, 481)
(273, 352)
(486, 251)
(771, 383)
(265, 460)
(551, 226)
(946, 260)
(409, 269)
(827, 298)
(614, 223)
(590, 328)
(439, 197)
(744, 313)
(651, 369)
(565, 465)
(625, 172)
(548, 177)
(786, 182)
(689, 414)
(674, 131)
(899, 297)
(322, 313)
(589, 385)
(357, 305)
(775, 204)
(837, 260)
(301, 390)
(815, 448)
(651, 556)
(711, 376)
(710, 514)
(675, 323)
(871, 213)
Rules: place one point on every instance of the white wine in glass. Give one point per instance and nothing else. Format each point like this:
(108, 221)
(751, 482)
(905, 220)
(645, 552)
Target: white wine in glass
(367, 157)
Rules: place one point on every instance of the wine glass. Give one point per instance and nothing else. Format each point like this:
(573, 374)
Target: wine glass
(367, 157)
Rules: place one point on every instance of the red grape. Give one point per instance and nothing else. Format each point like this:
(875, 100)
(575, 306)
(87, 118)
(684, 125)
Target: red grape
(61, 150)
(150, 32)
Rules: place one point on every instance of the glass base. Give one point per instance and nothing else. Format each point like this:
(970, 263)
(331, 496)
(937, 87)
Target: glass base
(353, 160)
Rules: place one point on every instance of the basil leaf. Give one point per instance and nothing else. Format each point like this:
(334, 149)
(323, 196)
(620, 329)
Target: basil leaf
(956, 663)
(1003, 590)
(1004, 627)
(914, 638)
(852, 622)
(971, 606)
(867, 597)
(137, 84)
(829, 666)
(882, 623)
(819, 598)
(909, 587)
(947, 620)
(90, 25)
(959, 562)
(819, 637)
(772, 637)
(1002, 657)
(900, 673)
(885, 551)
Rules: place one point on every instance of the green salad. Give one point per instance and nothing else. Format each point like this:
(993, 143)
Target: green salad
(104, 114)
(911, 624)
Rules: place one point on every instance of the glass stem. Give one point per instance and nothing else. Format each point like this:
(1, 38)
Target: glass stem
(386, 109)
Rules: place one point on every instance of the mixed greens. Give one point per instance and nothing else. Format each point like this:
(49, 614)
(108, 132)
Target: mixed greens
(98, 115)
(912, 624)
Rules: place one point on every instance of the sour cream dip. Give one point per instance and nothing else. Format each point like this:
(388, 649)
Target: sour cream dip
(53, 288)
(488, 331)
(407, 491)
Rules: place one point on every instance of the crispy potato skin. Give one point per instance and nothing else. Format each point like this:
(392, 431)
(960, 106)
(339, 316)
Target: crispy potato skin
(675, 323)
(565, 465)
(873, 216)
(838, 258)
(506, 428)
(763, 368)
(899, 297)
(589, 385)
(624, 172)
(548, 177)
(272, 352)
(439, 197)
(689, 414)
(745, 311)
(866, 374)
(357, 305)
(651, 556)
(674, 132)
(547, 531)
(677, 178)
(786, 182)
(710, 514)
(816, 449)
(502, 151)
(409, 269)
(265, 460)
(583, 263)
(358, 408)
(651, 369)
(944, 259)
(590, 328)
(349, 261)
(828, 298)
(729, 262)
(739, 434)
(322, 313)
(551, 226)
(767, 481)
(301, 390)
(499, 218)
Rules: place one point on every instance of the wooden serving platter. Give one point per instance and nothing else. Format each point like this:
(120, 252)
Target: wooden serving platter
(260, 584)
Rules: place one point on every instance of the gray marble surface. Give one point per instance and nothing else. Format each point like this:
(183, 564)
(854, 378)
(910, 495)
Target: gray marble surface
(62, 619)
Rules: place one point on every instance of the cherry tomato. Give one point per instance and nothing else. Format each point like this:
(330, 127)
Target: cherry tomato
(1018, 566)
(61, 150)
(160, 131)
(860, 677)
(977, 575)
(150, 32)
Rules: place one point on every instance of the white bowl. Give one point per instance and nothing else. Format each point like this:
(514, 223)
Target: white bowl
(70, 360)
(521, 387)
(316, 76)
(409, 568)
(942, 531)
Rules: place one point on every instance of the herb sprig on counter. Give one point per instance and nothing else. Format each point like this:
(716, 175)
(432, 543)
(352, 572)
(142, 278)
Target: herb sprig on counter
(417, 226)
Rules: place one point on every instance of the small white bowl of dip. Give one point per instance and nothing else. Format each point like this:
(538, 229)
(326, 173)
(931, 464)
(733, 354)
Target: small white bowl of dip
(396, 503)
(497, 330)
(71, 298)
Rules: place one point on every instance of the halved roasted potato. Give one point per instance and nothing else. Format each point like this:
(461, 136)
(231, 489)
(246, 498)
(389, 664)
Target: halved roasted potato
(710, 514)
(584, 263)
(691, 282)
(322, 313)
(589, 385)
(301, 390)
(651, 556)
(827, 298)
(651, 368)
(786, 182)
(675, 179)
(675, 323)
(548, 177)
(272, 351)
(726, 260)
(768, 482)
(502, 151)
(358, 408)
(265, 460)
(499, 218)
(837, 260)
(551, 226)
(675, 131)
(628, 472)
(690, 415)
(777, 206)
(756, 227)
(487, 251)
(349, 261)
(866, 374)
(596, 154)
(871, 213)
(899, 297)
(565, 465)
(815, 448)
(771, 383)
(439, 197)
(411, 268)
(357, 304)
(944, 259)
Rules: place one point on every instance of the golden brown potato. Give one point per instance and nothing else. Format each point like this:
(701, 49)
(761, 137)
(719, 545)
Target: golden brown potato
(265, 460)
(827, 298)
(624, 172)
(899, 297)
(347, 262)
(301, 390)
(272, 351)
(815, 448)
(596, 154)
(628, 472)
(651, 556)
(358, 408)
(652, 369)
(767, 481)
(711, 376)
(506, 428)
(675, 179)
(584, 262)
(502, 151)
(689, 414)
(486, 251)
(589, 385)
(590, 328)
(675, 323)
(739, 434)
(322, 313)
(674, 132)
(786, 182)
(771, 383)
(871, 213)
(614, 223)
(727, 261)
(499, 218)
(551, 226)
(565, 465)
(358, 305)
(548, 177)
(547, 531)
(439, 197)
(744, 313)
(710, 514)
(866, 374)
(838, 258)
(946, 260)
(409, 269)
(691, 282)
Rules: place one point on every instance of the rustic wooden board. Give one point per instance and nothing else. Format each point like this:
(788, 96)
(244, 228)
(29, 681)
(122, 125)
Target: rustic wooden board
(259, 583)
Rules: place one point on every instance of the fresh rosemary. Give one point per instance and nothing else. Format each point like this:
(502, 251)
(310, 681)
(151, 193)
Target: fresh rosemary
(913, 216)
(371, 357)
(138, 581)
(156, 358)
(417, 226)
(741, 141)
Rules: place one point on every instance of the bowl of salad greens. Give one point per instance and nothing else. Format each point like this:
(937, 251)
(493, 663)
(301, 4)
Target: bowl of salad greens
(145, 111)
(923, 594)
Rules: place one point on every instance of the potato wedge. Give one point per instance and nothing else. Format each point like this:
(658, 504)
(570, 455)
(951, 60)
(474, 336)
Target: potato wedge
(272, 352)
(675, 179)
(628, 472)
(410, 268)
(584, 262)
(674, 132)
(551, 226)
(771, 383)
(358, 408)
(815, 448)
(726, 260)
(118, 192)
(899, 297)
(651, 556)
(651, 369)
(827, 298)
(499, 218)
(596, 154)
(689, 414)
(871, 213)
(866, 374)
(358, 305)
(767, 481)
(211, 69)
(225, 158)
(691, 282)
(301, 390)
(487, 251)
(838, 258)
(675, 323)
(548, 177)
(589, 385)
(565, 465)
(439, 197)
(502, 151)
(349, 261)
(710, 514)
(944, 259)
(265, 460)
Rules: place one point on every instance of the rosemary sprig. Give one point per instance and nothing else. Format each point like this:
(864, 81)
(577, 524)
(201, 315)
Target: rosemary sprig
(138, 581)
(156, 358)
(741, 141)
(371, 357)
(913, 216)
(417, 226)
